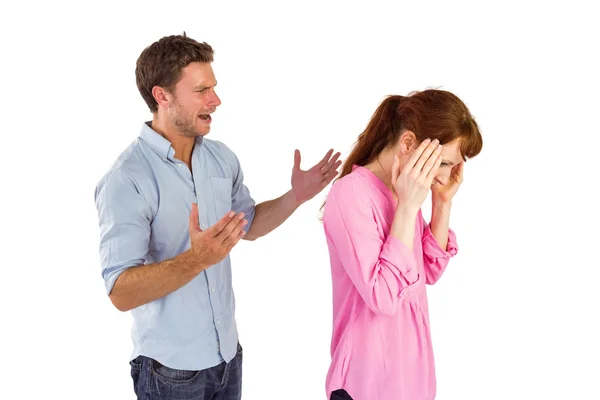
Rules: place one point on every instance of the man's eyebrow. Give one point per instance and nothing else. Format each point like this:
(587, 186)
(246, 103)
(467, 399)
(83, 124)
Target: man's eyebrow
(202, 87)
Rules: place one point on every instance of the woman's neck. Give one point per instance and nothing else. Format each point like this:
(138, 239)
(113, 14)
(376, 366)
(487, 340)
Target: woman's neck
(382, 168)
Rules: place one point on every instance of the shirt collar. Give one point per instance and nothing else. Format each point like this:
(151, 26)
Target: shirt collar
(159, 144)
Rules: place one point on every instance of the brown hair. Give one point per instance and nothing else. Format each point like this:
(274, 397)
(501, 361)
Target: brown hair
(160, 64)
(432, 113)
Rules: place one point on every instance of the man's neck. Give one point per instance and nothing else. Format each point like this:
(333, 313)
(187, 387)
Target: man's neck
(182, 145)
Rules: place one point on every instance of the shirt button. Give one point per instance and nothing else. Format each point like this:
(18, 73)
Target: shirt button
(218, 322)
(212, 290)
(203, 226)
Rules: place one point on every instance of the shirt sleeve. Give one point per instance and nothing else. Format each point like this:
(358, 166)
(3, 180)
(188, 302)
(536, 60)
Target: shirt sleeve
(435, 259)
(124, 219)
(241, 200)
(382, 270)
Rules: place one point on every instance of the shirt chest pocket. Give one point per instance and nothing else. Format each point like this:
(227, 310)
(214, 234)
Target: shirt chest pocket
(221, 196)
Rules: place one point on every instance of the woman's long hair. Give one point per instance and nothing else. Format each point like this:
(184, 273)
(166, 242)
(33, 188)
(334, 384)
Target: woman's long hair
(432, 113)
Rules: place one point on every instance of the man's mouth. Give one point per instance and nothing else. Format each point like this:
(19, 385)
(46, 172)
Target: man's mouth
(205, 118)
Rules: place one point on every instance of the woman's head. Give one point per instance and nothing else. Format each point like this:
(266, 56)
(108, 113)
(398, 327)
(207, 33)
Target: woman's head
(401, 123)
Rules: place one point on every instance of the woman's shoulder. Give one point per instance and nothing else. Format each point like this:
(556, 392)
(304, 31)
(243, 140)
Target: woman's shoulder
(359, 182)
(353, 190)
(351, 184)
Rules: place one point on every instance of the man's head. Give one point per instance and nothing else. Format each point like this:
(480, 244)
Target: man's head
(175, 78)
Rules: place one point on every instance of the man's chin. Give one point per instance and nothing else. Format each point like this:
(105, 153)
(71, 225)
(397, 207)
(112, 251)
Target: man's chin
(202, 130)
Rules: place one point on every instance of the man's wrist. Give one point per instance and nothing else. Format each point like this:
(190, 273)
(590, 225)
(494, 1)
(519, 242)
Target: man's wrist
(293, 201)
(190, 264)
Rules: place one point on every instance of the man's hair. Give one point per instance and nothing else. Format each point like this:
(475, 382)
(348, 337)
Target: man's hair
(160, 64)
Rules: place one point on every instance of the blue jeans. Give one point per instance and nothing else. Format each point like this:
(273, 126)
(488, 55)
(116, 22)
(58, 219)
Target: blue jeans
(154, 381)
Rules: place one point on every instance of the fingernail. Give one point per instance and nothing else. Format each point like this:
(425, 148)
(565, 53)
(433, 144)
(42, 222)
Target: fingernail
(231, 214)
(436, 141)
(241, 215)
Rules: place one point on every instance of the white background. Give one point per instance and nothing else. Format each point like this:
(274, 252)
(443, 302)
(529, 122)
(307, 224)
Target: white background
(514, 317)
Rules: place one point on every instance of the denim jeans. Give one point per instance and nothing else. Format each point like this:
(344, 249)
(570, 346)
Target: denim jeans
(340, 394)
(154, 381)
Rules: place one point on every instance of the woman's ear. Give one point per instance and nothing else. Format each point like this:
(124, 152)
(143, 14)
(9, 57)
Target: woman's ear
(407, 143)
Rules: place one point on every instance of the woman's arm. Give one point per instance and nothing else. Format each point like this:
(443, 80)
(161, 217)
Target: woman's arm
(380, 269)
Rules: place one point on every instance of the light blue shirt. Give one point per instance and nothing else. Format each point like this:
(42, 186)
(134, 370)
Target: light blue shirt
(144, 203)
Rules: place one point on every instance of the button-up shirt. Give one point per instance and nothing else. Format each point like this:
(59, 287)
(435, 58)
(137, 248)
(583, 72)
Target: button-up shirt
(144, 202)
(381, 346)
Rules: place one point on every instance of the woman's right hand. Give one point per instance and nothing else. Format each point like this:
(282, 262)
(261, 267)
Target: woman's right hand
(413, 182)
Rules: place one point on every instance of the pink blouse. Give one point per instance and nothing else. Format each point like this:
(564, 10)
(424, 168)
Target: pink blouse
(381, 344)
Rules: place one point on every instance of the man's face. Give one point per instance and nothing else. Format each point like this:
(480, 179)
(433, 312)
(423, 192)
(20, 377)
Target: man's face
(193, 100)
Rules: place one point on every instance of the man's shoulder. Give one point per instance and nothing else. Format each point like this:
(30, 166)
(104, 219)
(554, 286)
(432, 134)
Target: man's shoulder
(220, 152)
(128, 165)
(217, 146)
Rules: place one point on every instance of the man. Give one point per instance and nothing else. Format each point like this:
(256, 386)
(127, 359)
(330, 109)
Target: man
(171, 209)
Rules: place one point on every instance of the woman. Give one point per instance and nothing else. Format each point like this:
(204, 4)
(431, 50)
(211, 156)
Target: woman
(383, 252)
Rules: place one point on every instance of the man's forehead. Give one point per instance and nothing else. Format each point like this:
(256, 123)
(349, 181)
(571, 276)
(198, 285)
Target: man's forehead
(198, 74)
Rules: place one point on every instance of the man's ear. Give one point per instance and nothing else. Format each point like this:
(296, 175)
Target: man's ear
(162, 96)
(407, 143)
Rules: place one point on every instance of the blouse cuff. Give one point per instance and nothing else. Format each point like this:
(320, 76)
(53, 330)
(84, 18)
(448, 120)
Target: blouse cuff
(399, 255)
(432, 249)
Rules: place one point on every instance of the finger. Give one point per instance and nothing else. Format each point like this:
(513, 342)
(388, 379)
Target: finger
(218, 227)
(330, 164)
(194, 224)
(323, 161)
(231, 225)
(430, 161)
(233, 237)
(416, 154)
(434, 170)
(428, 153)
(329, 176)
(235, 241)
(297, 159)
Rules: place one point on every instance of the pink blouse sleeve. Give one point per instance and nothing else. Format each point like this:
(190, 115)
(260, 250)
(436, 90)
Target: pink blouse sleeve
(435, 259)
(380, 269)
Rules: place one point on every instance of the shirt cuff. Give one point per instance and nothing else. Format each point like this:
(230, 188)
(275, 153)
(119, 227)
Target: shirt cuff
(400, 256)
(432, 249)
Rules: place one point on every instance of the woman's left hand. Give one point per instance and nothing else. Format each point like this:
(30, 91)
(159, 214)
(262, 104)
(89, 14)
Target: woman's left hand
(445, 193)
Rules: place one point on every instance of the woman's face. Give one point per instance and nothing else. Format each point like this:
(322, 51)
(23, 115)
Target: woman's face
(451, 158)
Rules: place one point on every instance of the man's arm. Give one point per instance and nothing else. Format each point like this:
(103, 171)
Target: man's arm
(268, 215)
(271, 214)
(125, 220)
(142, 284)
(145, 283)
